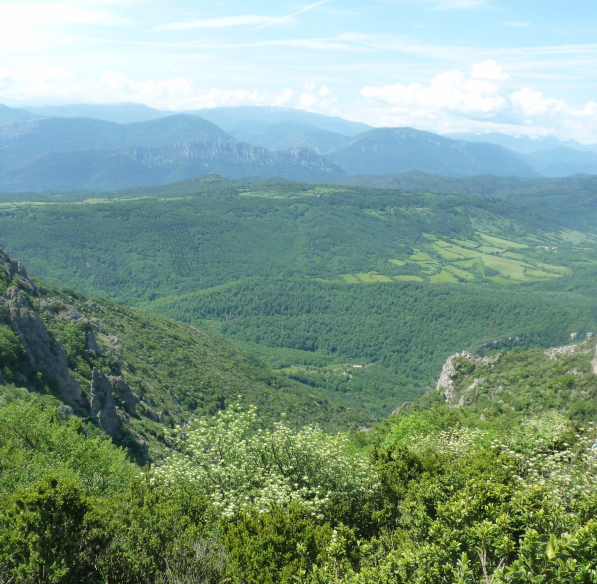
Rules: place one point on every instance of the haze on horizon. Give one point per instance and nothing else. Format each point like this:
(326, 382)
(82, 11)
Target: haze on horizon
(438, 65)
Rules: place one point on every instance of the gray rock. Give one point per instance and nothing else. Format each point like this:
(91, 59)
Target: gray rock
(43, 351)
(446, 379)
(103, 409)
(65, 412)
(125, 394)
(92, 343)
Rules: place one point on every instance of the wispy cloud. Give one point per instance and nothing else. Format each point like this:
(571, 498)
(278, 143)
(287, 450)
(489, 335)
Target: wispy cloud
(517, 23)
(259, 21)
(433, 5)
(290, 17)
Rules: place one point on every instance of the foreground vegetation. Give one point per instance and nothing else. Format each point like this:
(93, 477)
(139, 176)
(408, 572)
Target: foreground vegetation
(433, 495)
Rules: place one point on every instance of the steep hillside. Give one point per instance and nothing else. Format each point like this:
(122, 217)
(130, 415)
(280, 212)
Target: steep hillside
(317, 279)
(24, 142)
(248, 120)
(121, 113)
(9, 115)
(563, 162)
(521, 143)
(140, 166)
(529, 382)
(130, 373)
(573, 200)
(294, 134)
(395, 150)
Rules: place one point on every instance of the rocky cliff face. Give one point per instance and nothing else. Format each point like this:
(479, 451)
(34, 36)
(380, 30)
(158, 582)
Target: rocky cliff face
(42, 351)
(107, 399)
(460, 365)
(234, 153)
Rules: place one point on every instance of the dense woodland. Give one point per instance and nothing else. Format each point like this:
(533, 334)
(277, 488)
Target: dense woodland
(316, 278)
(284, 465)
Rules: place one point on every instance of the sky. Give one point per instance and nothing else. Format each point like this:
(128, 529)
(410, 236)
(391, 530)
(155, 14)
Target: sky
(520, 67)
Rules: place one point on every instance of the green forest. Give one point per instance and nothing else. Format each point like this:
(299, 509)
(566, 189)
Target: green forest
(317, 279)
(271, 354)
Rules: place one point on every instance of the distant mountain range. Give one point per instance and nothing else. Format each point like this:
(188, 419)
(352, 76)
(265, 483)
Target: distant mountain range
(391, 150)
(522, 144)
(122, 145)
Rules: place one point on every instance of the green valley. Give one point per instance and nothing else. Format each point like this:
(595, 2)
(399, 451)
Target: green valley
(318, 279)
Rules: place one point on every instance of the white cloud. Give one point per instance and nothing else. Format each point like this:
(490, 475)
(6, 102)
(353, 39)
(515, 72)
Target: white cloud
(31, 26)
(240, 20)
(317, 99)
(455, 102)
(450, 91)
(433, 5)
(517, 23)
(534, 103)
(176, 93)
(224, 22)
(489, 70)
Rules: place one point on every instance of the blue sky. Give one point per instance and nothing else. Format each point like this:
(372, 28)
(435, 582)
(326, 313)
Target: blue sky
(440, 65)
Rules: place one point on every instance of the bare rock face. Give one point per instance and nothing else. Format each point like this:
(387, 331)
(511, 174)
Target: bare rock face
(103, 409)
(556, 352)
(449, 373)
(43, 351)
(594, 362)
(125, 394)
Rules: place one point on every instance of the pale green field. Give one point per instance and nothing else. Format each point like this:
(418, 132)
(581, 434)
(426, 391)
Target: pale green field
(373, 277)
(460, 273)
(502, 243)
(444, 277)
(408, 279)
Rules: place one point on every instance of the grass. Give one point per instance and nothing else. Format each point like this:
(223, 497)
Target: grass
(373, 277)
(408, 279)
(444, 277)
(460, 273)
(502, 243)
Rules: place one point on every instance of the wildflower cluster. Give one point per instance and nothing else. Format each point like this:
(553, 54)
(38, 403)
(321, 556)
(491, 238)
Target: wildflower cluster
(453, 443)
(240, 466)
(560, 460)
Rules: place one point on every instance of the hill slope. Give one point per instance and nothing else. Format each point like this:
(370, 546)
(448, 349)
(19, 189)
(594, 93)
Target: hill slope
(318, 279)
(131, 373)
(26, 141)
(140, 166)
(572, 200)
(559, 378)
(395, 150)
(9, 115)
(246, 120)
(121, 113)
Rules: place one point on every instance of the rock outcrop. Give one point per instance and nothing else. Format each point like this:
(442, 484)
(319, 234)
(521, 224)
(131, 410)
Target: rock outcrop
(556, 352)
(43, 352)
(103, 409)
(450, 370)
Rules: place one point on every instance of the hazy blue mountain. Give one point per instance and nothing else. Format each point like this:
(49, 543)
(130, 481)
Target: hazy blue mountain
(144, 166)
(395, 150)
(121, 113)
(255, 119)
(523, 143)
(23, 142)
(11, 114)
(289, 134)
(563, 162)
